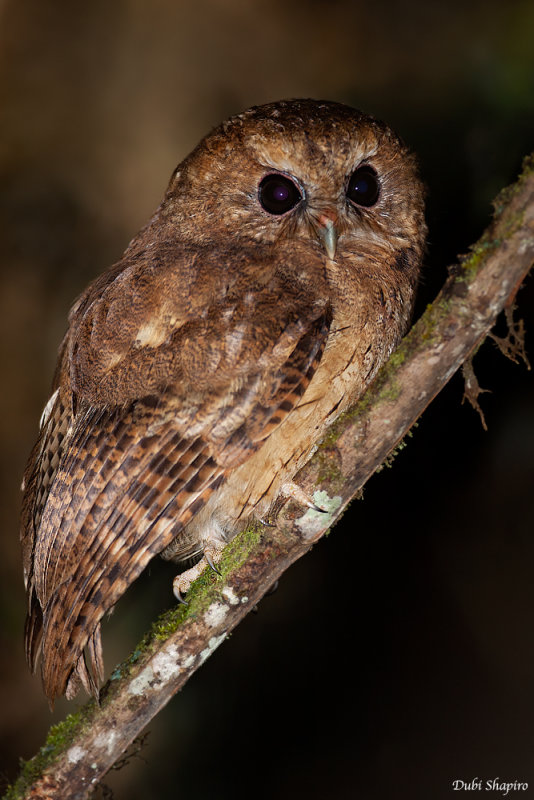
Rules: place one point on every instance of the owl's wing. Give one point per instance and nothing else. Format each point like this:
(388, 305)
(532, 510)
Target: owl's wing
(109, 487)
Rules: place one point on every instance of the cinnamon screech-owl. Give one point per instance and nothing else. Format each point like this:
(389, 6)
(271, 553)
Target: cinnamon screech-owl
(198, 373)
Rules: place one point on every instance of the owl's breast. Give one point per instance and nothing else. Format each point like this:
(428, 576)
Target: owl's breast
(351, 359)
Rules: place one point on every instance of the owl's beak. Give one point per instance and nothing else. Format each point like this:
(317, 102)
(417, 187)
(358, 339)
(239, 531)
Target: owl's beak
(324, 225)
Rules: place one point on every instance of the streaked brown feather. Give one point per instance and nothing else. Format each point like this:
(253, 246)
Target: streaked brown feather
(121, 494)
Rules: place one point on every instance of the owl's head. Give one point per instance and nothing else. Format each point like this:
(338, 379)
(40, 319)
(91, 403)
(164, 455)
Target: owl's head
(314, 173)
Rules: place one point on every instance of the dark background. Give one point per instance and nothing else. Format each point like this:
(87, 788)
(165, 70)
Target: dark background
(399, 655)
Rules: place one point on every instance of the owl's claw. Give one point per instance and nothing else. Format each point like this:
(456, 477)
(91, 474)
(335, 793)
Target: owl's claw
(179, 597)
(297, 493)
(182, 582)
(211, 563)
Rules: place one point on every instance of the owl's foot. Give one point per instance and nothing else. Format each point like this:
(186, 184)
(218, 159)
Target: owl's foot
(296, 493)
(182, 582)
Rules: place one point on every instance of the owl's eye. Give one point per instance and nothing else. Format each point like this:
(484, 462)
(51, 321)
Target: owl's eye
(278, 194)
(364, 187)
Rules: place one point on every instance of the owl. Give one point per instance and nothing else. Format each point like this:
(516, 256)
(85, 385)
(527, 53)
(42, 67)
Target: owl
(199, 372)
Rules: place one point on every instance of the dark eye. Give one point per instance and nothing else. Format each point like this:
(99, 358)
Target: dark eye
(364, 187)
(278, 194)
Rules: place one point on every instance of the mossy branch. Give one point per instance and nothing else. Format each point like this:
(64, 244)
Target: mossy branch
(80, 750)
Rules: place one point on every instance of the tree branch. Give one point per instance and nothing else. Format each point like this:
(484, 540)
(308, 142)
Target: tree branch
(80, 750)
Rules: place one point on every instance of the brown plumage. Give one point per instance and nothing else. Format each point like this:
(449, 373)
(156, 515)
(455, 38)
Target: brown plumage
(198, 372)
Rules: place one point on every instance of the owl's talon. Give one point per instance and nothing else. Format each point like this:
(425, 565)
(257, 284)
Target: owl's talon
(182, 582)
(211, 563)
(212, 552)
(179, 597)
(297, 493)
